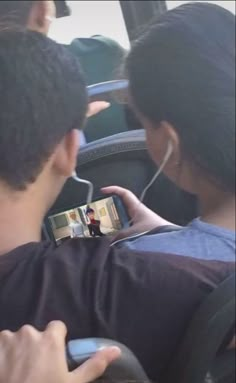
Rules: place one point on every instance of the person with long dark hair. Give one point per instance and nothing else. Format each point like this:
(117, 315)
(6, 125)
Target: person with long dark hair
(182, 88)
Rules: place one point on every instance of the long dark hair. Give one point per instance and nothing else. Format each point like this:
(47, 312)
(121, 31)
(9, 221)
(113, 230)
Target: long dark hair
(182, 70)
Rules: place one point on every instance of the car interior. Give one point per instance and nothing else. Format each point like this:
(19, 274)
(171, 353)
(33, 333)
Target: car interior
(202, 356)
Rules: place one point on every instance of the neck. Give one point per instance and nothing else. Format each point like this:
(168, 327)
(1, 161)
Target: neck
(21, 220)
(218, 208)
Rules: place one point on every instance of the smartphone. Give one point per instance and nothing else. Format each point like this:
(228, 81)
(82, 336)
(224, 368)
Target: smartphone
(103, 217)
(108, 91)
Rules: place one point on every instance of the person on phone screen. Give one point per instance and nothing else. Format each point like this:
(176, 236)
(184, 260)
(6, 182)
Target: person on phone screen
(94, 224)
(76, 227)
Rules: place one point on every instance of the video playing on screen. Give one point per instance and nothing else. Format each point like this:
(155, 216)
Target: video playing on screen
(98, 219)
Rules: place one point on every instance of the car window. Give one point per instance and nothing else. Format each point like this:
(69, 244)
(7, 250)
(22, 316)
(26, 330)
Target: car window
(101, 57)
(90, 18)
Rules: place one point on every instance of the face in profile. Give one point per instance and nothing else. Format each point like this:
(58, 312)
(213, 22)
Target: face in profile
(91, 215)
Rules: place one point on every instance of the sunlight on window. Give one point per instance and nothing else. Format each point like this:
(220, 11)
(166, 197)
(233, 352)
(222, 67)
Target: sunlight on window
(90, 18)
(230, 5)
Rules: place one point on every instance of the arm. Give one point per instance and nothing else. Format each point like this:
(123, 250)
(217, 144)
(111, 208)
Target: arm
(42, 357)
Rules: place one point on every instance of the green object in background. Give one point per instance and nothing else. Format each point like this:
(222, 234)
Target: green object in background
(101, 59)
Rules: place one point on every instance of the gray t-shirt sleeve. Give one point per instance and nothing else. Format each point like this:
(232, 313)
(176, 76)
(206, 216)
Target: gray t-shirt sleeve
(198, 240)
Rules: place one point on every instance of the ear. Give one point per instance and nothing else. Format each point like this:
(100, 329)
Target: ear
(158, 138)
(169, 134)
(41, 16)
(65, 155)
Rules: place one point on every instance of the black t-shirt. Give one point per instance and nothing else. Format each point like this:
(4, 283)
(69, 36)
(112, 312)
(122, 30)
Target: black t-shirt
(142, 300)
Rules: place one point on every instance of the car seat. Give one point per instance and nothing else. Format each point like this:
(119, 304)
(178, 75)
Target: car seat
(203, 356)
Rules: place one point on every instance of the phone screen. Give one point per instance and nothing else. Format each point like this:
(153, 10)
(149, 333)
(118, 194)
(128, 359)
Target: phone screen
(103, 217)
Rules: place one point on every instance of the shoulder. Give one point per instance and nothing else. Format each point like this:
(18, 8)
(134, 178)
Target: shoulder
(198, 239)
(169, 242)
(93, 264)
(211, 230)
(85, 273)
(150, 271)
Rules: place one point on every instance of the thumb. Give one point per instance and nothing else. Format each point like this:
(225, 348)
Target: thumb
(96, 366)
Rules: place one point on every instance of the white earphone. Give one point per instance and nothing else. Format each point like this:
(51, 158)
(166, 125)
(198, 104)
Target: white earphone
(159, 171)
(90, 186)
(166, 158)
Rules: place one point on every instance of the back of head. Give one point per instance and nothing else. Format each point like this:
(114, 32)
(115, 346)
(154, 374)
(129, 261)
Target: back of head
(89, 210)
(36, 15)
(42, 97)
(17, 11)
(182, 70)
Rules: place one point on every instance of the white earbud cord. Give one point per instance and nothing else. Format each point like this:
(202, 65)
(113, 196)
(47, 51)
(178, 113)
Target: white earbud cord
(156, 175)
(90, 187)
(159, 171)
